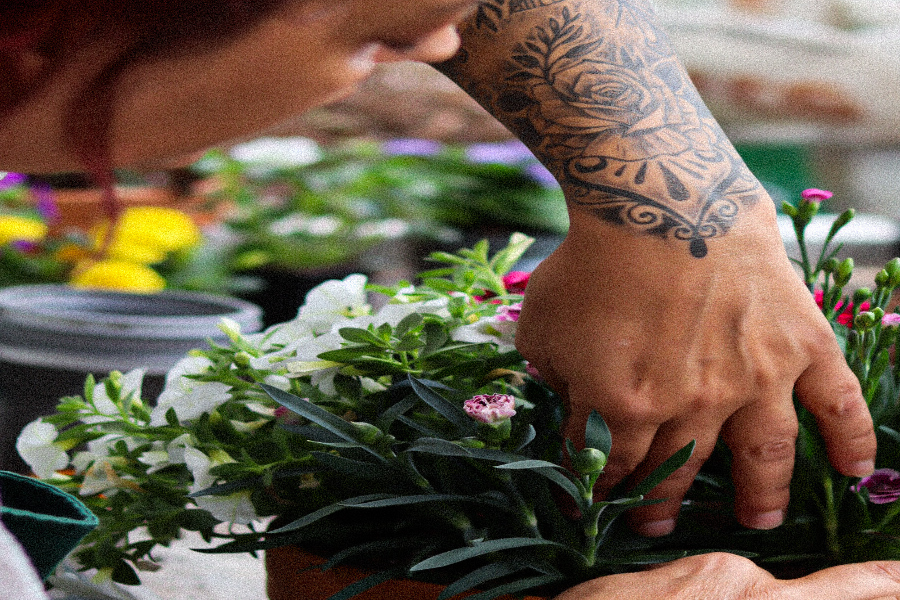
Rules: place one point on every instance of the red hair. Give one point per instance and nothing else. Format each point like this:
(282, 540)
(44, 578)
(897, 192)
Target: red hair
(37, 35)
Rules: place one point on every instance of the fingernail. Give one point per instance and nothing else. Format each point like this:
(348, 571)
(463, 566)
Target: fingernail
(769, 520)
(861, 468)
(656, 528)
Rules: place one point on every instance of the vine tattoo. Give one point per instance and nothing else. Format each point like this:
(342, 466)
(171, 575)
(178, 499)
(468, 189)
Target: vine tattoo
(599, 95)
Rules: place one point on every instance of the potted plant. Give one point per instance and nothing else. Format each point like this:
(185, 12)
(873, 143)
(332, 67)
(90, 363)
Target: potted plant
(414, 442)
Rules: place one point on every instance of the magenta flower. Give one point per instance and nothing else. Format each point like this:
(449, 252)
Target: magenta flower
(515, 281)
(511, 312)
(11, 180)
(883, 486)
(490, 408)
(815, 195)
(890, 320)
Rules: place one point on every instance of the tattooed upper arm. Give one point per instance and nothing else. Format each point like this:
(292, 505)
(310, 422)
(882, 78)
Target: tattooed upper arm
(594, 88)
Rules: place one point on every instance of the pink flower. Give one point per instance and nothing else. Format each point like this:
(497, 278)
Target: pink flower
(533, 372)
(883, 486)
(490, 408)
(515, 281)
(891, 320)
(815, 195)
(511, 312)
(846, 317)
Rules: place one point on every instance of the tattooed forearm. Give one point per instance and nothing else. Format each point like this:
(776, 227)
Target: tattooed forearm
(593, 87)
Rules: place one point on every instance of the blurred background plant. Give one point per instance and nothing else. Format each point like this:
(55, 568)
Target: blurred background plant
(294, 204)
(139, 254)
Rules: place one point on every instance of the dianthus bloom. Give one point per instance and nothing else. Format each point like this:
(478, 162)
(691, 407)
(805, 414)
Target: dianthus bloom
(516, 281)
(891, 320)
(816, 195)
(845, 317)
(490, 408)
(883, 486)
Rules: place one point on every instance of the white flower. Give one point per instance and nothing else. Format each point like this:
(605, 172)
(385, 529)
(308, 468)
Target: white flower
(37, 448)
(278, 152)
(496, 330)
(190, 398)
(307, 362)
(333, 301)
(233, 508)
(130, 382)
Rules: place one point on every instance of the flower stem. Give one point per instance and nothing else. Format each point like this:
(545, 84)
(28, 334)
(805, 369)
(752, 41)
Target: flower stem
(831, 517)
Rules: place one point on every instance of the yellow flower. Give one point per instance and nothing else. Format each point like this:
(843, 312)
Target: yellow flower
(14, 229)
(119, 275)
(146, 234)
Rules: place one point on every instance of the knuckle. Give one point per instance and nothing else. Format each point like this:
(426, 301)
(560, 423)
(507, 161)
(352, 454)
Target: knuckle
(773, 450)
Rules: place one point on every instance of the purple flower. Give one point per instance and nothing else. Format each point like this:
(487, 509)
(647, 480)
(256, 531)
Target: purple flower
(44, 202)
(411, 147)
(815, 195)
(509, 313)
(506, 153)
(10, 180)
(490, 408)
(542, 175)
(883, 486)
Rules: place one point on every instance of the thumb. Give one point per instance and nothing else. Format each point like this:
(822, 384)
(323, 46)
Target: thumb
(876, 580)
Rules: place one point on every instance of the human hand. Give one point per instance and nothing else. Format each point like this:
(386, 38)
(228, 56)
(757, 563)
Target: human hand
(669, 349)
(721, 576)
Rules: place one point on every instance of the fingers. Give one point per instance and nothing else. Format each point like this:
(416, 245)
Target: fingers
(659, 519)
(762, 437)
(830, 391)
(878, 580)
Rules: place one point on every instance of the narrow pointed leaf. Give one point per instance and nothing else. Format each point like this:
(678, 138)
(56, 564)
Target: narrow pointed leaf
(318, 415)
(453, 413)
(478, 577)
(364, 584)
(325, 511)
(425, 498)
(460, 554)
(671, 464)
(597, 433)
(515, 587)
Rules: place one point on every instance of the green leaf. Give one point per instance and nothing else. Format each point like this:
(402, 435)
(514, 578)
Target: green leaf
(457, 555)
(359, 469)
(318, 415)
(425, 498)
(453, 413)
(366, 583)
(505, 259)
(479, 576)
(671, 464)
(597, 434)
(361, 336)
(325, 511)
(515, 587)
(407, 323)
(529, 464)
(550, 471)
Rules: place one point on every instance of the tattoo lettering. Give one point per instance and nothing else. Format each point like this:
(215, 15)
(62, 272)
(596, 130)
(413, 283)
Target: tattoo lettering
(600, 97)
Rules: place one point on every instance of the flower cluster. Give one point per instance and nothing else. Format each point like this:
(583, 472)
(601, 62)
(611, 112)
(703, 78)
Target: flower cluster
(34, 250)
(416, 430)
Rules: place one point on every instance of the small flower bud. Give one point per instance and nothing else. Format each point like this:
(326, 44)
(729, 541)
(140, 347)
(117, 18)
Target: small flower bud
(882, 278)
(367, 433)
(893, 266)
(831, 265)
(879, 314)
(844, 272)
(864, 320)
(789, 209)
(242, 359)
(861, 295)
(589, 461)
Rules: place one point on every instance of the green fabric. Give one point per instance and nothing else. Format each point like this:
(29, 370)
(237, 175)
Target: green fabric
(48, 522)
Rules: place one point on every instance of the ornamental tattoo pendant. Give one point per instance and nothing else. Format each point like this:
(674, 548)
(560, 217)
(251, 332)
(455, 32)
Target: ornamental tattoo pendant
(622, 126)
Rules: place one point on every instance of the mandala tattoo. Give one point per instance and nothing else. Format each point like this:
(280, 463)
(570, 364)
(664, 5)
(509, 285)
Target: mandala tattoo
(599, 95)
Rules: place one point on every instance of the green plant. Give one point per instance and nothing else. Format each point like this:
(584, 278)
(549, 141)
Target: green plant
(367, 433)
